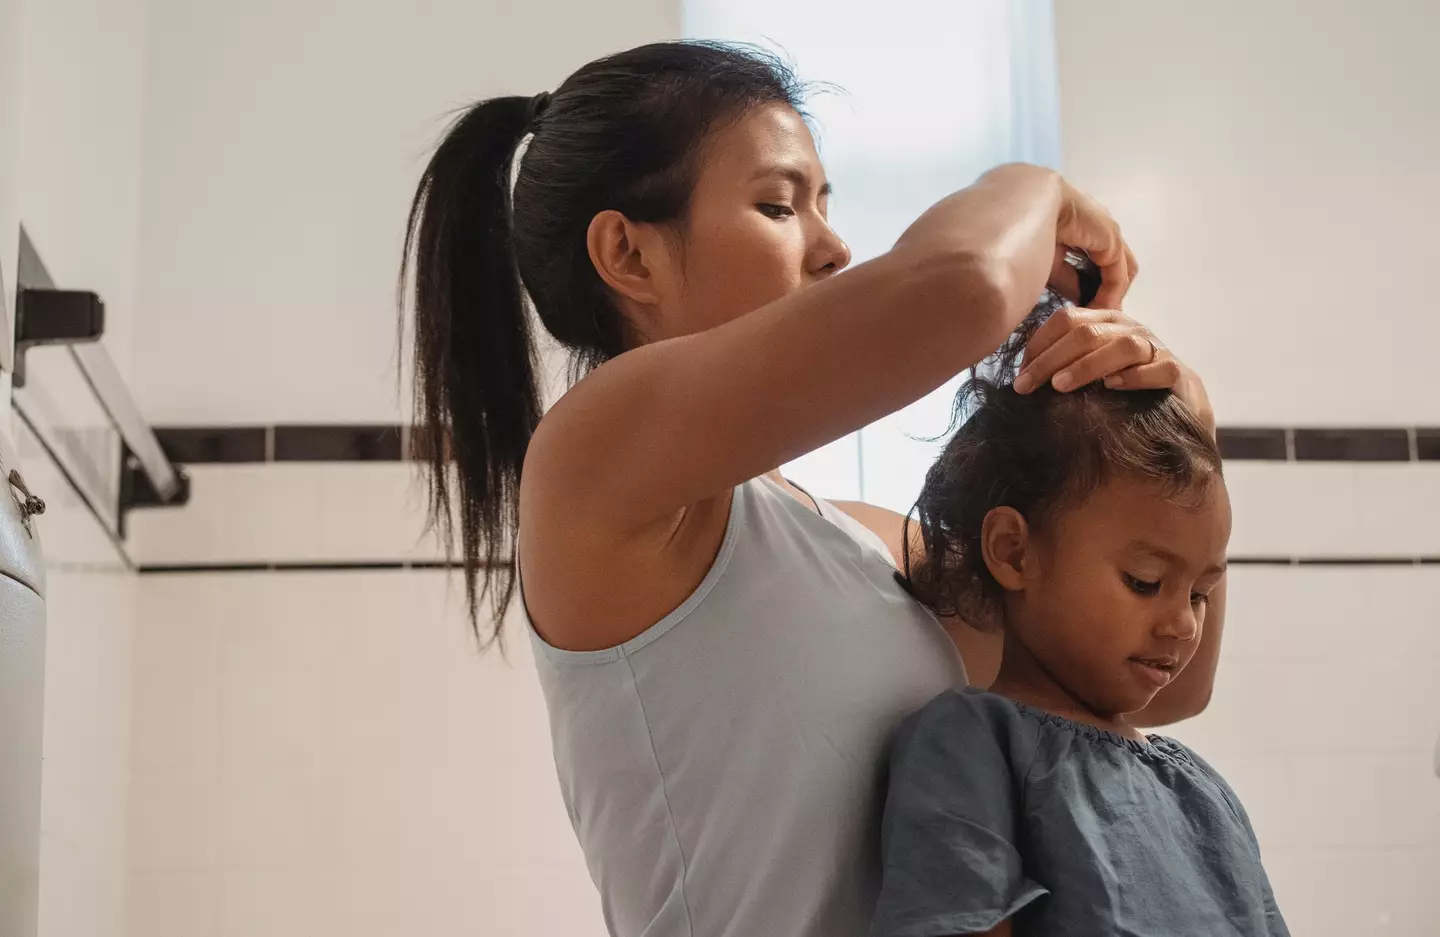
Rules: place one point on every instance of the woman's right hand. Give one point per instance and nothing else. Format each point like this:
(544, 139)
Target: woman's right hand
(1084, 223)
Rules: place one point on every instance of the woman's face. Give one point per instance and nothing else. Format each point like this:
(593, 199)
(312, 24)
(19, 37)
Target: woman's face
(757, 227)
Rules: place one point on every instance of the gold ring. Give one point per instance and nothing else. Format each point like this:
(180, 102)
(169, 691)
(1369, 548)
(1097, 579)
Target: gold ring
(1154, 350)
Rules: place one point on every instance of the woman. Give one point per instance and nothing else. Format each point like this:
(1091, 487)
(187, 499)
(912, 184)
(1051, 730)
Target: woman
(723, 656)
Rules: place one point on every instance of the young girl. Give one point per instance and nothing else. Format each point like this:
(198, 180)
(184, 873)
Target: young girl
(723, 657)
(1091, 529)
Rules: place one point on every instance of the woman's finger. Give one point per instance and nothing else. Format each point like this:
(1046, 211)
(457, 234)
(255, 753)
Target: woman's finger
(1084, 223)
(1161, 374)
(1080, 332)
(1087, 354)
(1064, 279)
(1132, 270)
(1127, 349)
(1116, 341)
(1114, 280)
(1061, 323)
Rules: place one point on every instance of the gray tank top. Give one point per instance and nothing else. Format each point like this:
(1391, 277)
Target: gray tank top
(724, 769)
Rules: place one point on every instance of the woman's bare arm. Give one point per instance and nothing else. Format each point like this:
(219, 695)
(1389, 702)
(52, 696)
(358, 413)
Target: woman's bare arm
(669, 424)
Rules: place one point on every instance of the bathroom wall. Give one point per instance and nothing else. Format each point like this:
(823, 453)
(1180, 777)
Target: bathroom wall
(323, 750)
(283, 142)
(1273, 166)
(71, 73)
(328, 753)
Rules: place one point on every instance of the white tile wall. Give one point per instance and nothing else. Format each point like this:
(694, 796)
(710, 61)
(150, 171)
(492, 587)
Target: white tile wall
(290, 512)
(1341, 892)
(1325, 717)
(327, 753)
(374, 511)
(1258, 133)
(1318, 509)
(358, 512)
(275, 201)
(79, 171)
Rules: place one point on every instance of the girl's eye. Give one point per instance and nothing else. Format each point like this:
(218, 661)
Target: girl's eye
(1141, 586)
(775, 211)
(1199, 598)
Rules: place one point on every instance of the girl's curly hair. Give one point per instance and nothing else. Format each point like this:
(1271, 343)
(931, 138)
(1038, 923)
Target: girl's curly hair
(1034, 452)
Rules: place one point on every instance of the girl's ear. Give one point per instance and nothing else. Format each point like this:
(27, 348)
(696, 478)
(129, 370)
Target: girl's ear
(1005, 544)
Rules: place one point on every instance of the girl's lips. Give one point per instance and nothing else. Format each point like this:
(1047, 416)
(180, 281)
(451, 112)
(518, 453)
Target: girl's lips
(1157, 672)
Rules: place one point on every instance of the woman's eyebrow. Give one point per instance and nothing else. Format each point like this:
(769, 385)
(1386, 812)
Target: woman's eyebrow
(796, 176)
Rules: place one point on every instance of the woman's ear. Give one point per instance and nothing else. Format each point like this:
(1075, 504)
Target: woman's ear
(1005, 543)
(628, 257)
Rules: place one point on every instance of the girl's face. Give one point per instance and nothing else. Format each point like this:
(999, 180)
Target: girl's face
(1115, 591)
(757, 227)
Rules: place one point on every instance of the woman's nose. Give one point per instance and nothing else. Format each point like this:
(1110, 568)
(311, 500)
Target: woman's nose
(831, 254)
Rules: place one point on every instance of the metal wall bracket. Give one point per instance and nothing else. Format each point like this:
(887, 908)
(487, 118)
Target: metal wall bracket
(54, 317)
(137, 491)
(76, 318)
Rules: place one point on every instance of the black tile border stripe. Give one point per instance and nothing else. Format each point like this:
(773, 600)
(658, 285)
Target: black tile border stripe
(1361, 561)
(1427, 445)
(308, 567)
(192, 445)
(1253, 444)
(1352, 445)
(1369, 561)
(339, 442)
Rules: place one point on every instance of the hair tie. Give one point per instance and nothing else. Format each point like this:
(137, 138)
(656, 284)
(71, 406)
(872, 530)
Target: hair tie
(537, 107)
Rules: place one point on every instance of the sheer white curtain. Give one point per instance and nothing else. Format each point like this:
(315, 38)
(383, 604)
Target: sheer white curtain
(929, 94)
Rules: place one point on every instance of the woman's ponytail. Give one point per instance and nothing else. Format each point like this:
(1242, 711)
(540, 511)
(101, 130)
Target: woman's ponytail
(621, 134)
(476, 396)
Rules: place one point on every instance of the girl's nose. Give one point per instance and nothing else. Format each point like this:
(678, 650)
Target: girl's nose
(1182, 623)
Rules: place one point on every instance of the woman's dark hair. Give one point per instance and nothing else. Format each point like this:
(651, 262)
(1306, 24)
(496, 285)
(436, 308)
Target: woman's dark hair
(1035, 453)
(622, 133)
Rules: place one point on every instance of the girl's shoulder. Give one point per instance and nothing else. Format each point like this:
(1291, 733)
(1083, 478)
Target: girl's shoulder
(968, 727)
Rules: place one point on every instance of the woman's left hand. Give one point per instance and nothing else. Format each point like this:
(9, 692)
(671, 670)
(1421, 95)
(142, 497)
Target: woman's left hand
(1079, 346)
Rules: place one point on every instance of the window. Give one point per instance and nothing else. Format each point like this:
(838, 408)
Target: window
(930, 94)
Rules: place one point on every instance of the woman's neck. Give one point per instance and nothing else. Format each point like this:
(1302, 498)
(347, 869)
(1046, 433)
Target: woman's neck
(799, 494)
(1024, 679)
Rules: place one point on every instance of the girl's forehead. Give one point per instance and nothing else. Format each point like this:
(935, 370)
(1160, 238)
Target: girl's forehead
(1125, 511)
